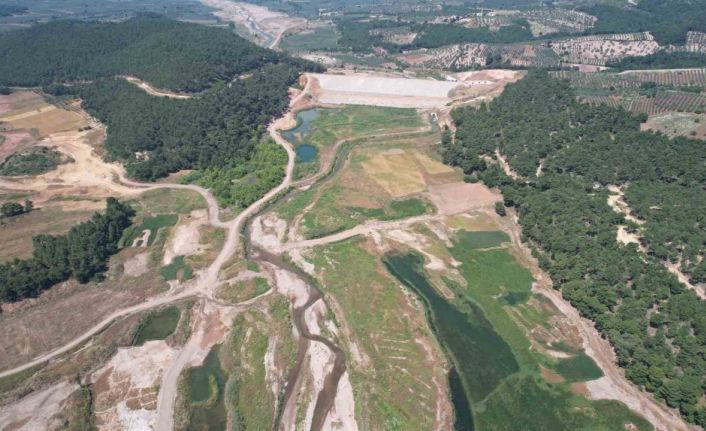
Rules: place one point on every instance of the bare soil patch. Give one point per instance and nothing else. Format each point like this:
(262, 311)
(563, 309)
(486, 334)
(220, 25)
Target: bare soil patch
(125, 389)
(455, 198)
(37, 411)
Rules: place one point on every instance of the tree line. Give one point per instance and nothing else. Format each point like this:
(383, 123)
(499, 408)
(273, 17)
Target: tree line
(656, 325)
(81, 254)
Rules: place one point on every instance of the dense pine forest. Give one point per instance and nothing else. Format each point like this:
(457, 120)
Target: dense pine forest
(167, 54)
(81, 254)
(565, 154)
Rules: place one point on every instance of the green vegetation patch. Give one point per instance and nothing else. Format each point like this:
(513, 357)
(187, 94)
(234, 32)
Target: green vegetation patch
(244, 290)
(153, 224)
(171, 201)
(375, 311)
(248, 398)
(157, 325)
(243, 182)
(579, 368)
(35, 161)
(320, 38)
(482, 239)
(540, 406)
(178, 269)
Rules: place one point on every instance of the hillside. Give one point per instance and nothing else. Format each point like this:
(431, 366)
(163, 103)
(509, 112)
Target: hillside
(155, 136)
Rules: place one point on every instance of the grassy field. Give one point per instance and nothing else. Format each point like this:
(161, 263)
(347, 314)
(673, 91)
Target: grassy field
(164, 201)
(153, 224)
(323, 128)
(392, 375)
(243, 290)
(317, 39)
(177, 269)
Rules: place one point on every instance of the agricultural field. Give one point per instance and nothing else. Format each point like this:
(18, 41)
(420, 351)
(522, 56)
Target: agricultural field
(634, 79)
(487, 324)
(600, 49)
(312, 38)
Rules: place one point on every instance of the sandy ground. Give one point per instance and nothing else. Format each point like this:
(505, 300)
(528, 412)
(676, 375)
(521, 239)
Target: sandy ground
(35, 411)
(259, 20)
(455, 198)
(14, 142)
(137, 265)
(155, 91)
(365, 89)
(185, 239)
(125, 388)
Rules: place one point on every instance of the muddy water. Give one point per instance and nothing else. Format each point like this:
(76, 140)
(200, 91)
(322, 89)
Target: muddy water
(326, 397)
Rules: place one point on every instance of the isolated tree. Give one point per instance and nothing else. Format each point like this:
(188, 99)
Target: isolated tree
(11, 209)
(29, 205)
(500, 209)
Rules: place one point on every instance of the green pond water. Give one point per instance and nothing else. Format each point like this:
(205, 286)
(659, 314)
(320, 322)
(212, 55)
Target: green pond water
(463, 416)
(304, 119)
(206, 392)
(481, 357)
(306, 153)
(157, 326)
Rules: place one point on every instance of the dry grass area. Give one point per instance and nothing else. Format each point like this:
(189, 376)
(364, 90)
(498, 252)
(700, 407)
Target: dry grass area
(40, 325)
(678, 124)
(397, 172)
(28, 110)
(54, 219)
(453, 198)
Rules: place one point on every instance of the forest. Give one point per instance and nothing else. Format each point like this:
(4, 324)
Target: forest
(359, 35)
(565, 154)
(661, 60)
(668, 20)
(156, 136)
(168, 54)
(81, 254)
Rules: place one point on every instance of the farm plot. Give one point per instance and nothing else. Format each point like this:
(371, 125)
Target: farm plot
(662, 102)
(633, 79)
(547, 21)
(598, 50)
(453, 57)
